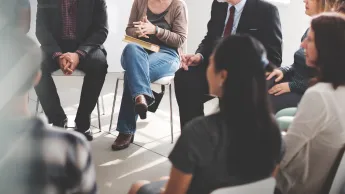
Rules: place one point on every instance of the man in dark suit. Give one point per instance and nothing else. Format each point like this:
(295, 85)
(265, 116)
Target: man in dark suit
(71, 34)
(254, 17)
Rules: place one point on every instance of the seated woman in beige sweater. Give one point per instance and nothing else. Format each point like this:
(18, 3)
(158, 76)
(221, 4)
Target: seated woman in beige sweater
(160, 22)
(317, 133)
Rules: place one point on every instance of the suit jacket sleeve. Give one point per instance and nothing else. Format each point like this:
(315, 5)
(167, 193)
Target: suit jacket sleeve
(99, 26)
(206, 46)
(272, 39)
(44, 36)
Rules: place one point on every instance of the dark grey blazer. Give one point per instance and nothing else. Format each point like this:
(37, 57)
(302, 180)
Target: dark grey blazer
(92, 29)
(259, 19)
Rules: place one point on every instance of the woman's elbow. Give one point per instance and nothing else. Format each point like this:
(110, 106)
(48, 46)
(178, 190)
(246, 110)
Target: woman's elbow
(180, 41)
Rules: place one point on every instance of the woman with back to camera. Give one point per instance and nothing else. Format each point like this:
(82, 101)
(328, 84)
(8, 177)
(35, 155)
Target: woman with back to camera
(239, 144)
(317, 134)
(161, 22)
(290, 82)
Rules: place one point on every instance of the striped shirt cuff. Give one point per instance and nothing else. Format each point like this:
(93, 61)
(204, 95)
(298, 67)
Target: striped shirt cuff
(57, 54)
(81, 53)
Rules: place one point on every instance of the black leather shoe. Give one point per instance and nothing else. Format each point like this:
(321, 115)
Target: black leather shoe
(87, 134)
(62, 124)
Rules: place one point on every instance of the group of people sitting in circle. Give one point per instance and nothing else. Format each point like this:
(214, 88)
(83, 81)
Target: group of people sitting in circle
(238, 62)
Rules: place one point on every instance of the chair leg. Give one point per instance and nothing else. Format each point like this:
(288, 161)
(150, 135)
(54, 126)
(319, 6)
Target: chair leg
(102, 99)
(99, 117)
(171, 116)
(114, 100)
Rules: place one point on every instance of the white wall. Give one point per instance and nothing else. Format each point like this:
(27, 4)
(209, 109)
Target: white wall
(294, 23)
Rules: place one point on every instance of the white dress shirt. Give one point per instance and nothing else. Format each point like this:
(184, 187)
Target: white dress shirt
(238, 12)
(313, 141)
(239, 9)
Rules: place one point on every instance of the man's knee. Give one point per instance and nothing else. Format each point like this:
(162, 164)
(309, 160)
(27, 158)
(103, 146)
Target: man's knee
(181, 78)
(136, 186)
(191, 82)
(96, 64)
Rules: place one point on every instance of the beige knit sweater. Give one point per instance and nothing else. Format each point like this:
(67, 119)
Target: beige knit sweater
(177, 18)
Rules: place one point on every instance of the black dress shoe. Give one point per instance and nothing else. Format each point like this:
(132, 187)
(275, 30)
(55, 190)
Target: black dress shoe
(87, 134)
(61, 124)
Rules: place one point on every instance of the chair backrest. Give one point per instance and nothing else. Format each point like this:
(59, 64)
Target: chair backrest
(338, 181)
(265, 186)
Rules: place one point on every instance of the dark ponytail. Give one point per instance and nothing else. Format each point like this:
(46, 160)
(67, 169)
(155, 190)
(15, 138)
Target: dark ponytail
(253, 134)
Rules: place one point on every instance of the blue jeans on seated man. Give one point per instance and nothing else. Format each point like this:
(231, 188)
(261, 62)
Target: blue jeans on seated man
(141, 68)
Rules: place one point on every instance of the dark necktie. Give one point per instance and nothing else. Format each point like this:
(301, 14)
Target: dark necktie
(230, 23)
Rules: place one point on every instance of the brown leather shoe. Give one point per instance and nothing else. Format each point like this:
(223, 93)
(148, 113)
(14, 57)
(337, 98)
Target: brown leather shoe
(141, 106)
(122, 141)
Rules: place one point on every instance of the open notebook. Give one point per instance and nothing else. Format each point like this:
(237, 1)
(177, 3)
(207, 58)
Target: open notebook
(144, 44)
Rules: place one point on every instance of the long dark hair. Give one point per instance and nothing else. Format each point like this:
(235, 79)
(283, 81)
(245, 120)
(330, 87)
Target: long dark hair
(254, 138)
(329, 30)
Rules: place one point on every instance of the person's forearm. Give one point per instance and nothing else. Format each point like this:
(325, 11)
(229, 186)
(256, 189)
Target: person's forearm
(171, 38)
(298, 86)
(131, 31)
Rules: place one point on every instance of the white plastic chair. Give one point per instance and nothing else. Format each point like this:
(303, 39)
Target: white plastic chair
(165, 81)
(338, 184)
(265, 186)
(77, 73)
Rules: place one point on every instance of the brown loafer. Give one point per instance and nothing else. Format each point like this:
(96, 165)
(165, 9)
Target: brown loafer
(122, 141)
(141, 106)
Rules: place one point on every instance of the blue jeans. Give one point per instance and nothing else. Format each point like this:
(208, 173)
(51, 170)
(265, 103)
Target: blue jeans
(142, 68)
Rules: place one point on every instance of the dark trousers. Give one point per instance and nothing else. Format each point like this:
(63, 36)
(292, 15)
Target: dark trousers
(286, 100)
(94, 65)
(191, 89)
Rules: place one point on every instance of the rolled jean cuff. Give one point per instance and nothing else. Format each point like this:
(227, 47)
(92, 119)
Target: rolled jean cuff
(124, 128)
